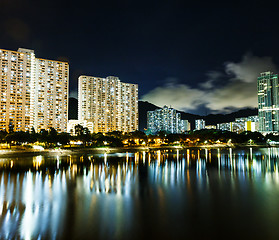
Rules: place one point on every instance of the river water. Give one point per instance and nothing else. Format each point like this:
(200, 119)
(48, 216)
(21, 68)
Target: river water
(164, 194)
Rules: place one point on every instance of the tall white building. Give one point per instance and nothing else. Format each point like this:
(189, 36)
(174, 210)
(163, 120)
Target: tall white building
(33, 92)
(268, 102)
(108, 103)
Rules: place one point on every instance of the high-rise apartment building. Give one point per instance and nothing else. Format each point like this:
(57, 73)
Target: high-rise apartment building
(199, 124)
(108, 103)
(166, 120)
(33, 92)
(185, 126)
(268, 102)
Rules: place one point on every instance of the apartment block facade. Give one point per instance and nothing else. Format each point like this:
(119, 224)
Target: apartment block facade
(242, 124)
(166, 120)
(108, 103)
(199, 124)
(268, 102)
(33, 92)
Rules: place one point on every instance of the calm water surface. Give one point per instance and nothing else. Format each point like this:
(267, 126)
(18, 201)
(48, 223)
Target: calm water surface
(167, 194)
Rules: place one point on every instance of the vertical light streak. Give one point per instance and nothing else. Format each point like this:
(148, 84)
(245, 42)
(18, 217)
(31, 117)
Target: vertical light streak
(28, 223)
(143, 157)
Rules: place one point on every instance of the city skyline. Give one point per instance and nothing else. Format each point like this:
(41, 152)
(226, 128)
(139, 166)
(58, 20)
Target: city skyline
(139, 120)
(105, 104)
(212, 65)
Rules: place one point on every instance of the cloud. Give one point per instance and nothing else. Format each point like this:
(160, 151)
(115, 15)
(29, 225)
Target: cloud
(234, 95)
(207, 85)
(234, 88)
(179, 96)
(212, 78)
(249, 68)
(171, 81)
(240, 88)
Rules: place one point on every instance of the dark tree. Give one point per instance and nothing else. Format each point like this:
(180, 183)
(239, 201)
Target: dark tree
(79, 130)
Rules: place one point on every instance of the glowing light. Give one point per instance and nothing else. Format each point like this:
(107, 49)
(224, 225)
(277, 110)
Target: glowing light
(159, 156)
(136, 157)
(28, 225)
(143, 157)
(37, 161)
(37, 147)
(57, 161)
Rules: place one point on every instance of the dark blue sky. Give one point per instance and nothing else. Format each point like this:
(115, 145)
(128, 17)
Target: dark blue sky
(151, 43)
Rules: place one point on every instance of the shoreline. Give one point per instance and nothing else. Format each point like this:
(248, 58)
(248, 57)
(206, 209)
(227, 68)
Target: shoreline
(76, 150)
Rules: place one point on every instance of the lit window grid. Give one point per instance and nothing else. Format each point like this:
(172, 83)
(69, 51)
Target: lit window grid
(268, 102)
(110, 104)
(25, 99)
(165, 119)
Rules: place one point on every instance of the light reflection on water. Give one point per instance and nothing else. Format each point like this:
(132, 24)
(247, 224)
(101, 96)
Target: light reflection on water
(163, 193)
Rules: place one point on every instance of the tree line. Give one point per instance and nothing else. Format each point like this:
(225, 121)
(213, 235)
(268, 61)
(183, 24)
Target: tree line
(82, 136)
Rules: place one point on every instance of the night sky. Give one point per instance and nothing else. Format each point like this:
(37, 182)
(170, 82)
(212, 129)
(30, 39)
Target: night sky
(195, 57)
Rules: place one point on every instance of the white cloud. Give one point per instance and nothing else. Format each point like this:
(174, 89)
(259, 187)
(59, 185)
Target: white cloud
(178, 96)
(249, 68)
(234, 95)
(207, 85)
(234, 89)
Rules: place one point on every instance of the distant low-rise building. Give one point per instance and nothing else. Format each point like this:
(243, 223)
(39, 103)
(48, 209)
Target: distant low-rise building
(251, 126)
(224, 126)
(84, 123)
(250, 123)
(210, 127)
